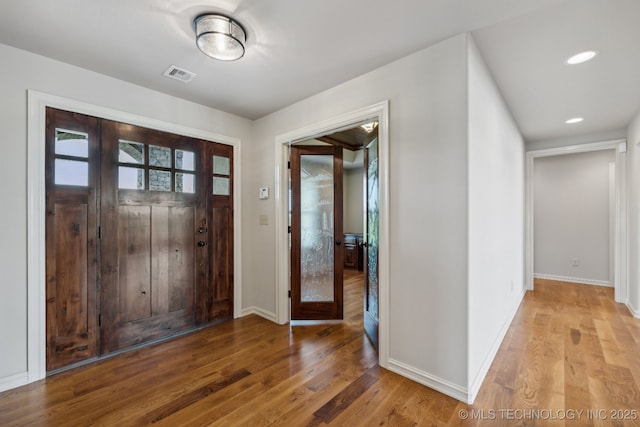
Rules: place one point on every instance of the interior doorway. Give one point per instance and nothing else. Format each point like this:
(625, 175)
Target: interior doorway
(331, 129)
(618, 211)
(574, 218)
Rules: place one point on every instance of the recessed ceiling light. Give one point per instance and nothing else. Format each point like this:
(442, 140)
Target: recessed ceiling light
(574, 120)
(582, 57)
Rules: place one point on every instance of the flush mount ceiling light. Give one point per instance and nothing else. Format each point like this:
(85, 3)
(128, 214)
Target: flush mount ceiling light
(574, 120)
(582, 57)
(219, 37)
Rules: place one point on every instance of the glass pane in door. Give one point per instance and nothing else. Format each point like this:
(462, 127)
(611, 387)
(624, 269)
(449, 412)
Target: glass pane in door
(316, 228)
(373, 214)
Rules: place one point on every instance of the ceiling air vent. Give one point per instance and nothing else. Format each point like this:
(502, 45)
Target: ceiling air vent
(179, 74)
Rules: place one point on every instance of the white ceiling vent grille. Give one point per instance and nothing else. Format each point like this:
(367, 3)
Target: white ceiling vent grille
(179, 74)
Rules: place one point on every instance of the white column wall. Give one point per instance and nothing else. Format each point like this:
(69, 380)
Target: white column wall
(496, 219)
(633, 147)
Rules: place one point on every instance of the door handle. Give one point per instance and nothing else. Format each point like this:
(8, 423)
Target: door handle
(202, 243)
(338, 242)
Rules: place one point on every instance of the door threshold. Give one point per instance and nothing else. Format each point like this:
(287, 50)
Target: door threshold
(315, 322)
(133, 347)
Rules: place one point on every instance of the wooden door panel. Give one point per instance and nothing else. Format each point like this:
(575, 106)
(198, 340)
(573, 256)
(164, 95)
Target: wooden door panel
(160, 269)
(180, 248)
(71, 269)
(221, 263)
(159, 326)
(134, 260)
(68, 301)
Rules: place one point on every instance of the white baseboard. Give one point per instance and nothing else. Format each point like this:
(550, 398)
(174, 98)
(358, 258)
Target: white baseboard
(634, 312)
(443, 386)
(579, 280)
(14, 381)
(260, 312)
(486, 365)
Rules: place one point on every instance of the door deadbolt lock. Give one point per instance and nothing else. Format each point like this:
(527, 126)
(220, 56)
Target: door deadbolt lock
(202, 230)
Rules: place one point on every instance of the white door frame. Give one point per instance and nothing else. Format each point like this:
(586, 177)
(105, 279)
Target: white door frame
(620, 239)
(36, 282)
(379, 112)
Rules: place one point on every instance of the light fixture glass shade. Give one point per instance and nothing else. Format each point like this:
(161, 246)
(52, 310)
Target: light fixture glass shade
(219, 37)
(582, 57)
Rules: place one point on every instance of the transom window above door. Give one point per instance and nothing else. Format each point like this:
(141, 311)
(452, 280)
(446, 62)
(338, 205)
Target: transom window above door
(71, 156)
(155, 168)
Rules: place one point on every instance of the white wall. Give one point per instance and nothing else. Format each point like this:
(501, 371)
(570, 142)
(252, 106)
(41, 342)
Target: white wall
(572, 204)
(428, 202)
(353, 200)
(496, 218)
(21, 71)
(633, 147)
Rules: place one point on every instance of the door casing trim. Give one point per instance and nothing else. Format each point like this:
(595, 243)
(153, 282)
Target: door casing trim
(37, 102)
(379, 112)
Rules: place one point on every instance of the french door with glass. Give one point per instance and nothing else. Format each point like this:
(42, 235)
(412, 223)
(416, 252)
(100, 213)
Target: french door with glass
(317, 251)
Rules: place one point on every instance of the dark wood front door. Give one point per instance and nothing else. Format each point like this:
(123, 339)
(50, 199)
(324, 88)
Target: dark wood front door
(139, 235)
(372, 210)
(150, 202)
(317, 250)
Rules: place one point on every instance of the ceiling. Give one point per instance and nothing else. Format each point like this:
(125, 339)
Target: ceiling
(352, 139)
(527, 55)
(299, 48)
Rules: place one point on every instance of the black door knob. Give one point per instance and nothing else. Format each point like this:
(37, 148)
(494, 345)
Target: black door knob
(202, 243)
(338, 242)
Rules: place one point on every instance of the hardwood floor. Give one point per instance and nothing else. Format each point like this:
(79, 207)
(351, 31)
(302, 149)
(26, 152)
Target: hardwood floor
(570, 348)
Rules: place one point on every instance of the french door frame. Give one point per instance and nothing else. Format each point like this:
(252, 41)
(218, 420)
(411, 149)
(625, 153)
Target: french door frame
(379, 112)
(37, 103)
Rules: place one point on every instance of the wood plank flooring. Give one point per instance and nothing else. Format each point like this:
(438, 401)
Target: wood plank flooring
(569, 349)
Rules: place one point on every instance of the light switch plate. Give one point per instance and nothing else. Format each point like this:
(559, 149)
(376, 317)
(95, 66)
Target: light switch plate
(264, 193)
